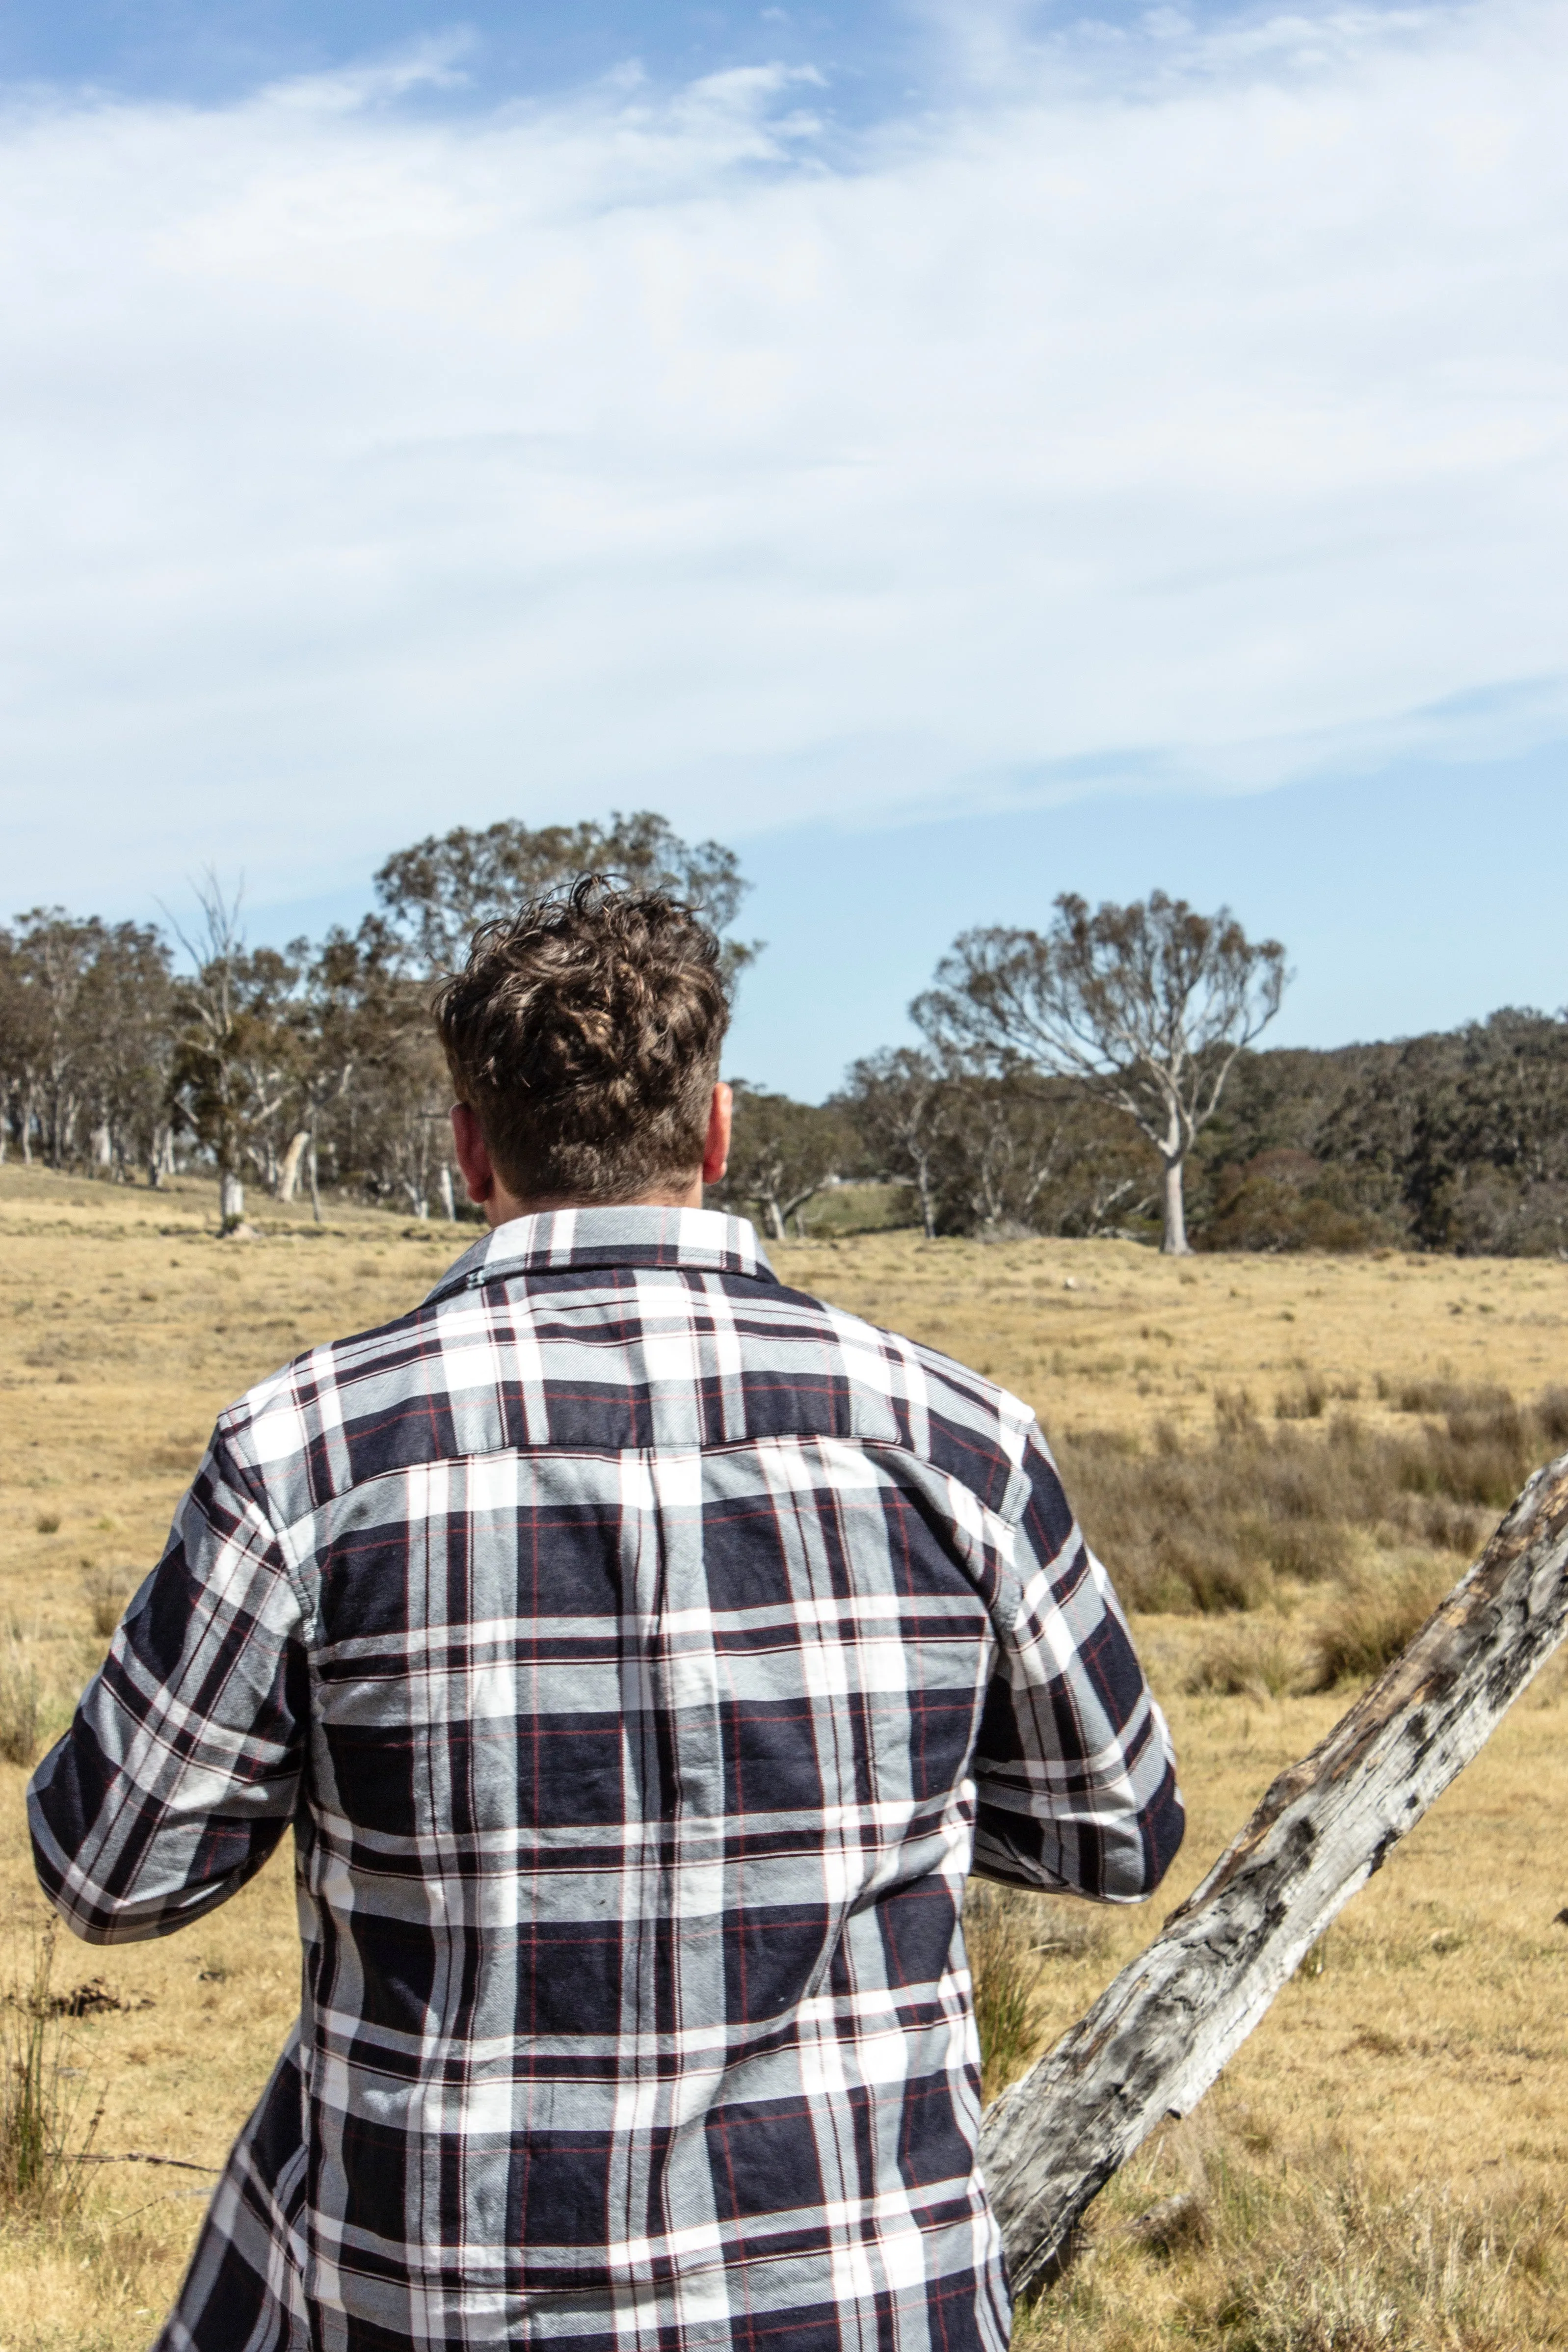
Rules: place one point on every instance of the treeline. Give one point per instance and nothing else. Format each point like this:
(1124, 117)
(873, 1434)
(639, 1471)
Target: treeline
(972, 1153)
(132, 1052)
(1457, 1141)
(1101, 1076)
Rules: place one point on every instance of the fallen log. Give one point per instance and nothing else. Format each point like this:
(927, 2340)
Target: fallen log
(1156, 2038)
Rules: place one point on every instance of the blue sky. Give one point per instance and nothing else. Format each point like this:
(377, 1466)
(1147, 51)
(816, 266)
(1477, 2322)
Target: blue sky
(875, 55)
(193, 49)
(954, 453)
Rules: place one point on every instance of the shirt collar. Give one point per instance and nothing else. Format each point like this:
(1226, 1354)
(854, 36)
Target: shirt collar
(559, 1240)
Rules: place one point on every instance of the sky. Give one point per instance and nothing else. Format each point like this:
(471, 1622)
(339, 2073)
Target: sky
(953, 454)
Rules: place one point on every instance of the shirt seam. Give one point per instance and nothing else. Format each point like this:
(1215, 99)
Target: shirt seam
(290, 1551)
(239, 1475)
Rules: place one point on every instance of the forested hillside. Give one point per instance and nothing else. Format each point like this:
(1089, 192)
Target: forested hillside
(1457, 1140)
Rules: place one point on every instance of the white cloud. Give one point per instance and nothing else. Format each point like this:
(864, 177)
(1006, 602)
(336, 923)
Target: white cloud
(1187, 406)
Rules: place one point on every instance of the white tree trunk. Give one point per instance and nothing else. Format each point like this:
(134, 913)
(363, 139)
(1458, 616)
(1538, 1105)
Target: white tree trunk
(231, 1199)
(927, 1212)
(1154, 2041)
(288, 1174)
(448, 1198)
(1173, 1237)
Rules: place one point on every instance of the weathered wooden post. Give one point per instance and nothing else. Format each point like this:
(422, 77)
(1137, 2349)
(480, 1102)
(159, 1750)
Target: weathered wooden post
(1156, 2038)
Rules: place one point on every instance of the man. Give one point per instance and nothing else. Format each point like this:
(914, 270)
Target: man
(643, 1653)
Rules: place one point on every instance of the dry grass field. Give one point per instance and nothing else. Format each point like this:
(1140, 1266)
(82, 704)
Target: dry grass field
(1281, 1460)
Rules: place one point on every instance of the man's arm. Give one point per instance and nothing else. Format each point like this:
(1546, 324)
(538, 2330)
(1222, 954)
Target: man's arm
(1073, 1766)
(182, 1767)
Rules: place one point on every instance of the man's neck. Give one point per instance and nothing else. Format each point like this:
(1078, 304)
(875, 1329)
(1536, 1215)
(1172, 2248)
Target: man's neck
(503, 1206)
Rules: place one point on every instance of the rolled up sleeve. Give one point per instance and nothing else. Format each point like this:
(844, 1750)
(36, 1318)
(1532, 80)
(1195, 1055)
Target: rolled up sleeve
(1075, 1771)
(182, 1767)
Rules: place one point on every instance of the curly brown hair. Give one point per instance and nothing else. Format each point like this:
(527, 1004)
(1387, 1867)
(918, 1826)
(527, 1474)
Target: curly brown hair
(584, 1033)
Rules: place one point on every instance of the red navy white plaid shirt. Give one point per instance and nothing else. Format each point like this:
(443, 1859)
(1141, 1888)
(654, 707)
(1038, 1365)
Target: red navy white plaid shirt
(641, 1653)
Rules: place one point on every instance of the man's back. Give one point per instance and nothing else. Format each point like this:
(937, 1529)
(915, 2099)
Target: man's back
(637, 1647)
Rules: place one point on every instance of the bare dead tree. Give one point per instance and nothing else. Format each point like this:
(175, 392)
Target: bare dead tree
(1146, 1006)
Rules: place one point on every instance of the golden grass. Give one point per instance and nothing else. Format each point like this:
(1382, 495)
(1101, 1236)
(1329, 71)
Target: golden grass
(1384, 2162)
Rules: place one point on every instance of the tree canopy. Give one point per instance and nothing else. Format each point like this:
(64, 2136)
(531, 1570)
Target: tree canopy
(437, 893)
(1146, 1006)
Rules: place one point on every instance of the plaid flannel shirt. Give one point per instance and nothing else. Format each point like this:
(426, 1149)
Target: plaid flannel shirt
(642, 1652)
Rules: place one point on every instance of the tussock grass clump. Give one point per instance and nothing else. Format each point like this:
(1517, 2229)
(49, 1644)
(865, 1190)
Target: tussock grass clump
(999, 1936)
(1376, 1617)
(1211, 1528)
(1012, 1937)
(1306, 1401)
(1377, 2270)
(105, 1590)
(1248, 2255)
(1249, 1661)
(43, 2141)
(21, 1705)
(1551, 1414)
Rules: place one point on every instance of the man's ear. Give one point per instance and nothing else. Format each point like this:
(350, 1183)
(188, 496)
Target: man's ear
(720, 1117)
(473, 1154)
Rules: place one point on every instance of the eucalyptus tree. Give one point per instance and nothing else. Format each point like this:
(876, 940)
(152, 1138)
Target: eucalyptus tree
(237, 1050)
(438, 892)
(51, 962)
(783, 1153)
(1146, 1006)
(21, 1046)
(126, 1006)
(355, 1005)
(900, 1102)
